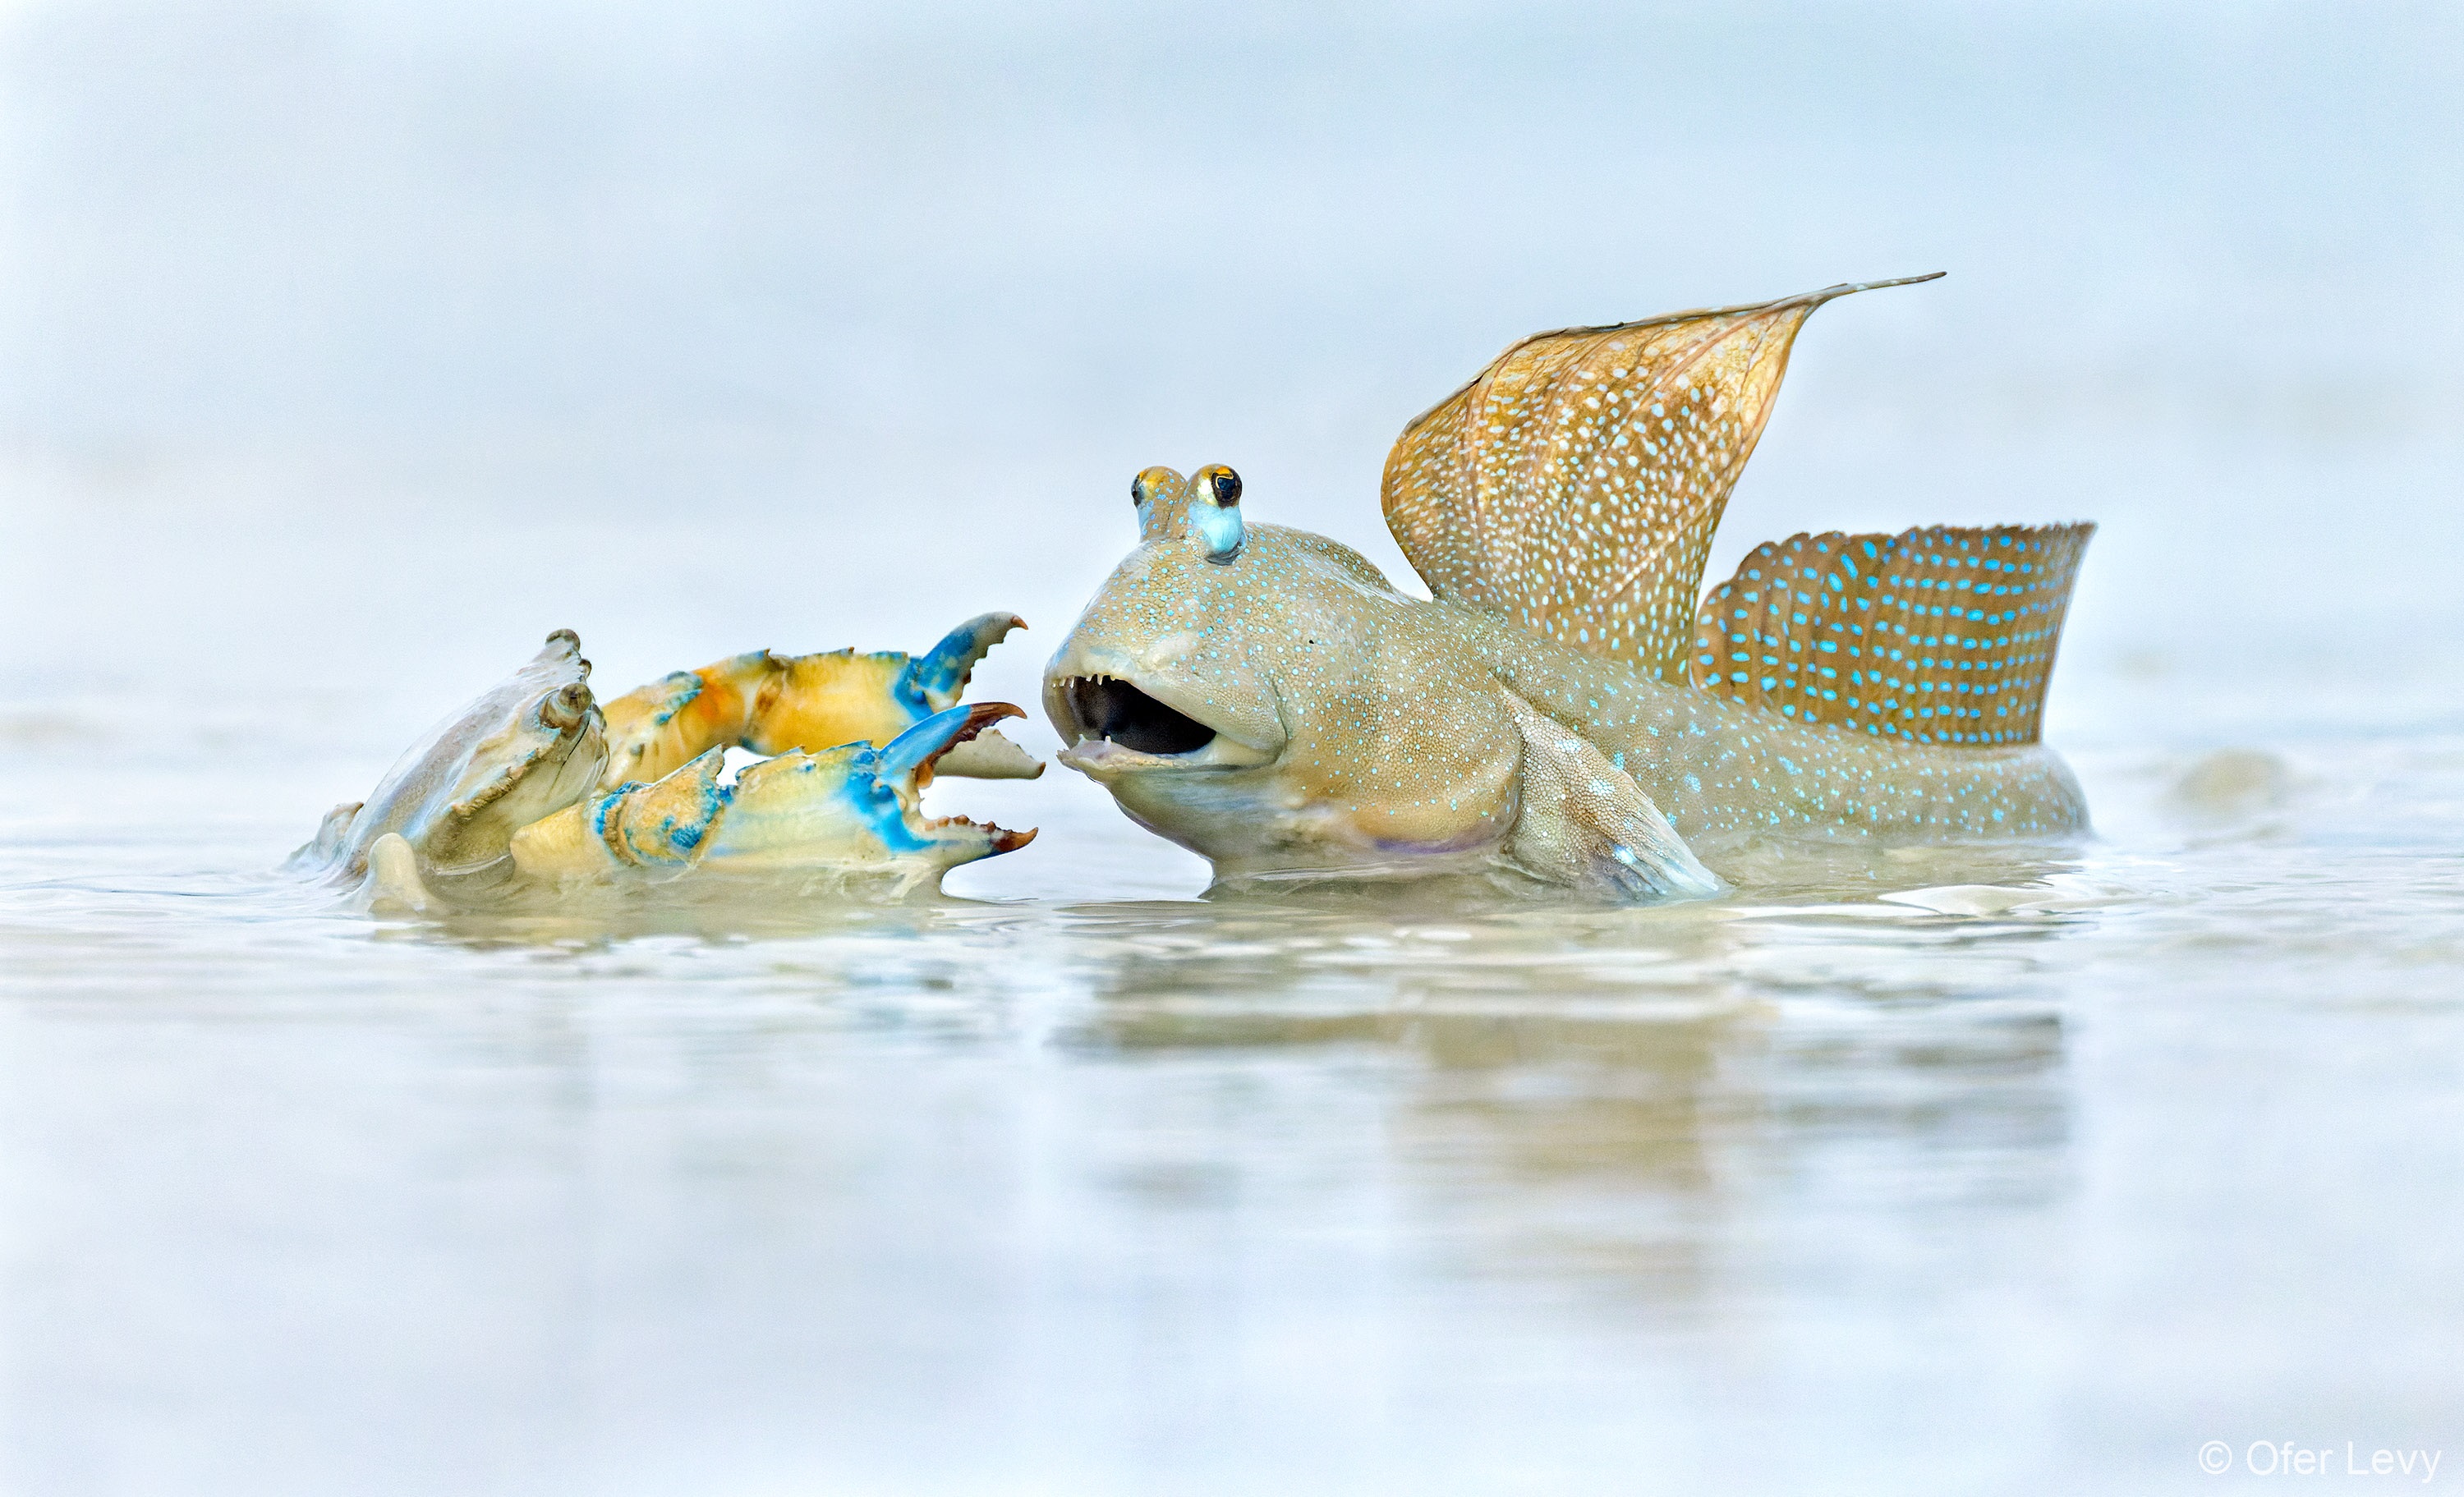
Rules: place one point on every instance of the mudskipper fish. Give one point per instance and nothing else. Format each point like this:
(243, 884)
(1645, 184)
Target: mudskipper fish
(1564, 706)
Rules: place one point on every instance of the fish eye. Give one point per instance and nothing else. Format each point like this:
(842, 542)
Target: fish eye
(1228, 487)
(1139, 490)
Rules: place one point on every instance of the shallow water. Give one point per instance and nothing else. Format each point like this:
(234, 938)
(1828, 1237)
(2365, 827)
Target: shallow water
(1956, 1168)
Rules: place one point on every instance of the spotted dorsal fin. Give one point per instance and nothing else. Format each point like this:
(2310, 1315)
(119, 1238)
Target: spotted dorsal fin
(1575, 484)
(1940, 635)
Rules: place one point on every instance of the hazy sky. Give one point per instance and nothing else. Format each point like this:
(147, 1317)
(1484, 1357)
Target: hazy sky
(700, 328)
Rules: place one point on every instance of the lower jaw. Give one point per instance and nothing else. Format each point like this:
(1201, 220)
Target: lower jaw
(1101, 759)
(1097, 760)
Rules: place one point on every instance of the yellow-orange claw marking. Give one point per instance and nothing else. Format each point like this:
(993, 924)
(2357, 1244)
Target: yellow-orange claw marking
(778, 704)
(656, 830)
(815, 702)
(653, 729)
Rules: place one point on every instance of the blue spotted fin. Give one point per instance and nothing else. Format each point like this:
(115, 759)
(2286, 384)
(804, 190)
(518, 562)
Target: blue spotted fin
(1940, 635)
(1575, 486)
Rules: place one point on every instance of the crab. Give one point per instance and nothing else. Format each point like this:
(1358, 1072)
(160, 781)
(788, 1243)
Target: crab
(537, 787)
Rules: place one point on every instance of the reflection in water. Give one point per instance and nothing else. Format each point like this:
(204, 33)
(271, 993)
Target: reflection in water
(1587, 1086)
(1348, 1186)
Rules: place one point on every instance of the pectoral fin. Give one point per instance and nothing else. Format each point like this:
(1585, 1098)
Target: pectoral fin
(1585, 821)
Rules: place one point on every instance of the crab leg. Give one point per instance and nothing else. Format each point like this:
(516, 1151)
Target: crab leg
(776, 704)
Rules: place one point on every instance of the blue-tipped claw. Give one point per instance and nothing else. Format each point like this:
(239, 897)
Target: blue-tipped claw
(931, 681)
(855, 807)
(920, 745)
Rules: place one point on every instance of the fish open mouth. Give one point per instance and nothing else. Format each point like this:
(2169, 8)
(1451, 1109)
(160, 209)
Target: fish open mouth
(1119, 712)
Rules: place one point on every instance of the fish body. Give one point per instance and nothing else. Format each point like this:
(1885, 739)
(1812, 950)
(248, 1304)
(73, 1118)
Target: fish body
(1265, 697)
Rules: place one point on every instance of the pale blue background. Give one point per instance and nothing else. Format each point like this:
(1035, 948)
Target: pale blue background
(416, 330)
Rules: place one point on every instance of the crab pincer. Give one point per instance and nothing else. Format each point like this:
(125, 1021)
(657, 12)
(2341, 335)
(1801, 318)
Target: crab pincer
(778, 704)
(857, 806)
(854, 809)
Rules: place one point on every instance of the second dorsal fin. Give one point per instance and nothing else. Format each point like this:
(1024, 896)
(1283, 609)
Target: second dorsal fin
(1575, 484)
(1938, 635)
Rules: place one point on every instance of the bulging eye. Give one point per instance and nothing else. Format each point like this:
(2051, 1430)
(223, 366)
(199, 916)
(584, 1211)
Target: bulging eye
(1139, 490)
(1228, 487)
(567, 708)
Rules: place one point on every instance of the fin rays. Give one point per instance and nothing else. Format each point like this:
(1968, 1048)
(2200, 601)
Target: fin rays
(1577, 482)
(1941, 634)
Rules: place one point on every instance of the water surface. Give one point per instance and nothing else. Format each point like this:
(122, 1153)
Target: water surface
(1960, 1168)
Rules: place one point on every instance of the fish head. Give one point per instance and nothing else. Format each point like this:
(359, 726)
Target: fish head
(1265, 697)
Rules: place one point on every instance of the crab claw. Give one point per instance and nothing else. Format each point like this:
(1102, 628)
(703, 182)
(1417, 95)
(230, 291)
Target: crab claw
(657, 831)
(854, 809)
(653, 729)
(778, 704)
(934, 678)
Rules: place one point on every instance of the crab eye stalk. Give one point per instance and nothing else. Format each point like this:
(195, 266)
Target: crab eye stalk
(565, 710)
